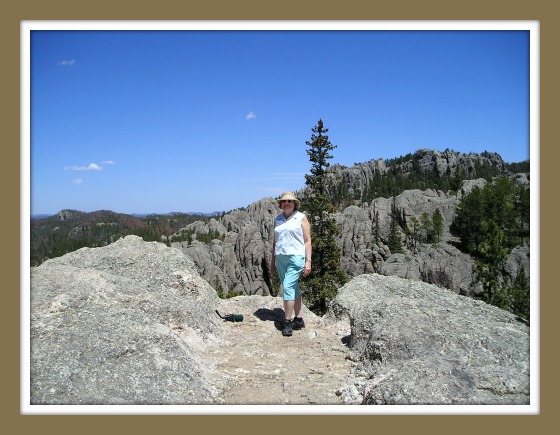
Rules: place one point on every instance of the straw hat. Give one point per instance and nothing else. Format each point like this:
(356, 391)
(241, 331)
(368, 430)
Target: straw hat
(288, 195)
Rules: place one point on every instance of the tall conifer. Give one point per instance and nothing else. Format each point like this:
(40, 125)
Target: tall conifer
(437, 225)
(327, 274)
(394, 243)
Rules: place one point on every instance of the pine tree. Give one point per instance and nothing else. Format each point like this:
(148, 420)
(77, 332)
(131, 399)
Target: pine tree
(520, 295)
(321, 286)
(376, 230)
(490, 268)
(437, 225)
(522, 207)
(414, 231)
(426, 225)
(394, 243)
(504, 202)
(468, 223)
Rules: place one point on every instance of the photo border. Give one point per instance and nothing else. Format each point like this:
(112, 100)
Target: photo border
(523, 12)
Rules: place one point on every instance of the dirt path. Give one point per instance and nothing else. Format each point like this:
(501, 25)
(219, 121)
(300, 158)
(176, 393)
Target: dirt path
(257, 365)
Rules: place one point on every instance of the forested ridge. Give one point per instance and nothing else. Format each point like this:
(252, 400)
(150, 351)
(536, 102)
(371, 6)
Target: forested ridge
(407, 173)
(69, 230)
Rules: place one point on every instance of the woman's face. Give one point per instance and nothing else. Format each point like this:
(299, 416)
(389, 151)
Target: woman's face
(287, 206)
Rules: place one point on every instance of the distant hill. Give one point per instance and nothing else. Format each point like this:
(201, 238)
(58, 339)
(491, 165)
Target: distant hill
(175, 213)
(40, 216)
(68, 230)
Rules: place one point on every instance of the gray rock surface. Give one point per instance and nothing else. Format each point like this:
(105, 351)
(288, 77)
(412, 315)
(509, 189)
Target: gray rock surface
(240, 262)
(133, 323)
(420, 344)
(446, 163)
(108, 327)
(442, 265)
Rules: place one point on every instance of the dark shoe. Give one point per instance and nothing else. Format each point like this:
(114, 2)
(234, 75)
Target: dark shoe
(298, 323)
(287, 331)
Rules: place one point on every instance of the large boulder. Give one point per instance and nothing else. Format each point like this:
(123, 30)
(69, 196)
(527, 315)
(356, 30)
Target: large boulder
(417, 344)
(120, 325)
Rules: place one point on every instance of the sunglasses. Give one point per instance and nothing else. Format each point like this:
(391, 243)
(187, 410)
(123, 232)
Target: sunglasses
(289, 201)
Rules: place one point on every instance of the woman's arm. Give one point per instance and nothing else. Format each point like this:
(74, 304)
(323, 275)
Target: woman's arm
(307, 242)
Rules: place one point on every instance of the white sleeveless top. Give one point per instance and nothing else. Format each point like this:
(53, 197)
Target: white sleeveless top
(288, 234)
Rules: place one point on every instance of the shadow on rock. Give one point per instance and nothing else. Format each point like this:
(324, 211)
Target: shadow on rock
(277, 314)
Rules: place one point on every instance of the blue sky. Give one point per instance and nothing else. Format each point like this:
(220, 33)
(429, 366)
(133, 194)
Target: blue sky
(206, 120)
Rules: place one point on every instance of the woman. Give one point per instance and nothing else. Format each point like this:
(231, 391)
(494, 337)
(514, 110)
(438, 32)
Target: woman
(291, 254)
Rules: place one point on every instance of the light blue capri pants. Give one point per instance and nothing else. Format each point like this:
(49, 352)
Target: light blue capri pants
(289, 269)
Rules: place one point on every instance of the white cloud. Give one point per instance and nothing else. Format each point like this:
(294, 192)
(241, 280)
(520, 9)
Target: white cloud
(78, 181)
(66, 62)
(90, 167)
(250, 116)
(108, 162)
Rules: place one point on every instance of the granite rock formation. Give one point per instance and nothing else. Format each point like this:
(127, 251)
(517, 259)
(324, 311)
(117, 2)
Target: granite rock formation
(133, 323)
(420, 344)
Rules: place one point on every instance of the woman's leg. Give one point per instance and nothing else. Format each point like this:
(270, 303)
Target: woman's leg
(297, 306)
(282, 265)
(289, 309)
(290, 284)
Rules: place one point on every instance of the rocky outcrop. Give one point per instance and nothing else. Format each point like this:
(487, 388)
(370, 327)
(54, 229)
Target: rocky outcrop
(240, 262)
(116, 325)
(450, 162)
(518, 259)
(419, 344)
(447, 163)
(133, 323)
(442, 264)
(239, 259)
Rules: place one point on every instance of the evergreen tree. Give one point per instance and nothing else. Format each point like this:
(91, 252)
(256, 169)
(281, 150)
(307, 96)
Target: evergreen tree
(523, 211)
(499, 204)
(321, 286)
(414, 231)
(520, 293)
(504, 202)
(469, 220)
(426, 226)
(490, 268)
(394, 242)
(376, 230)
(437, 225)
